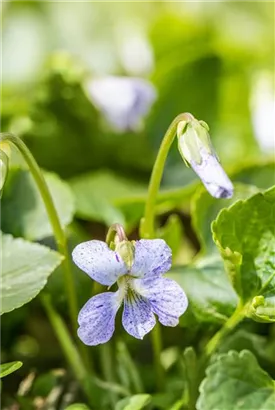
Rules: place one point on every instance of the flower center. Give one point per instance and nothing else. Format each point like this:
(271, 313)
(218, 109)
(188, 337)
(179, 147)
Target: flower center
(125, 286)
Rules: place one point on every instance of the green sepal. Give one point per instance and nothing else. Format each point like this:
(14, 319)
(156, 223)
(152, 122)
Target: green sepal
(126, 250)
(262, 309)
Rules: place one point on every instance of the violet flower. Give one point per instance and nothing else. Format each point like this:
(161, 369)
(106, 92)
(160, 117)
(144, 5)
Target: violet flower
(197, 151)
(141, 288)
(123, 101)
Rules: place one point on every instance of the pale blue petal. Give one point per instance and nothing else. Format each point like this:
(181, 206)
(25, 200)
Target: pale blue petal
(213, 176)
(166, 297)
(101, 263)
(124, 101)
(152, 257)
(138, 318)
(97, 318)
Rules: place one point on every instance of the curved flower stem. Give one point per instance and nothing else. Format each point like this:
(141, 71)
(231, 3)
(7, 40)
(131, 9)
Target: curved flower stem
(115, 230)
(147, 227)
(54, 220)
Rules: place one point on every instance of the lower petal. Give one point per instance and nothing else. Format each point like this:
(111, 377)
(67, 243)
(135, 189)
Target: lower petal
(138, 318)
(167, 299)
(97, 318)
(213, 176)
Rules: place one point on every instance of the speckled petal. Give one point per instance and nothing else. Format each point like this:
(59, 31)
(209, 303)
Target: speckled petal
(138, 318)
(166, 297)
(97, 318)
(99, 262)
(213, 176)
(152, 257)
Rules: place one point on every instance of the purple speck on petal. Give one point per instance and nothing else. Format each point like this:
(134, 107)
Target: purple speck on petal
(97, 319)
(213, 175)
(117, 258)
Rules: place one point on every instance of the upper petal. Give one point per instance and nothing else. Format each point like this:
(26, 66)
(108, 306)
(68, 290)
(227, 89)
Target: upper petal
(138, 318)
(97, 318)
(101, 263)
(166, 297)
(213, 176)
(152, 257)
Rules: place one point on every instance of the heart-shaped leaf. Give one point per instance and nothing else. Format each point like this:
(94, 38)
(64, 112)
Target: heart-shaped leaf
(205, 208)
(25, 270)
(245, 236)
(235, 381)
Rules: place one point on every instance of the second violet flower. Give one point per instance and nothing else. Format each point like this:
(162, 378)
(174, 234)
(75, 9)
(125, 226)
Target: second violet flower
(137, 268)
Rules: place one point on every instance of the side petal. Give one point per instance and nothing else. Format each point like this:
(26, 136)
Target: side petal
(213, 176)
(97, 318)
(166, 297)
(138, 318)
(99, 262)
(152, 257)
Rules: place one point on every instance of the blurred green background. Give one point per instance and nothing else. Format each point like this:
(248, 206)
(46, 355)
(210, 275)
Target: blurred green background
(213, 59)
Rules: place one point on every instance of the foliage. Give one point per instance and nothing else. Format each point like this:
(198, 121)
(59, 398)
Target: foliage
(212, 59)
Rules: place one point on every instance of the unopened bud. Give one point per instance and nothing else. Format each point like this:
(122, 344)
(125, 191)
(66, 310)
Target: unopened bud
(262, 309)
(126, 250)
(197, 151)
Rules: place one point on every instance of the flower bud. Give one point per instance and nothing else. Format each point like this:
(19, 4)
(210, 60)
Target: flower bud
(126, 250)
(262, 309)
(195, 147)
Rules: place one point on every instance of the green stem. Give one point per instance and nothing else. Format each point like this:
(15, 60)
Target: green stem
(106, 359)
(54, 219)
(232, 322)
(157, 348)
(210, 348)
(69, 349)
(147, 228)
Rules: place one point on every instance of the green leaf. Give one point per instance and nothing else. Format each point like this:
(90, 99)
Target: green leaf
(99, 194)
(77, 406)
(261, 174)
(245, 236)
(236, 381)
(8, 368)
(205, 208)
(105, 196)
(23, 211)
(260, 346)
(208, 289)
(136, 402)
(25, 270)
(172, 233)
